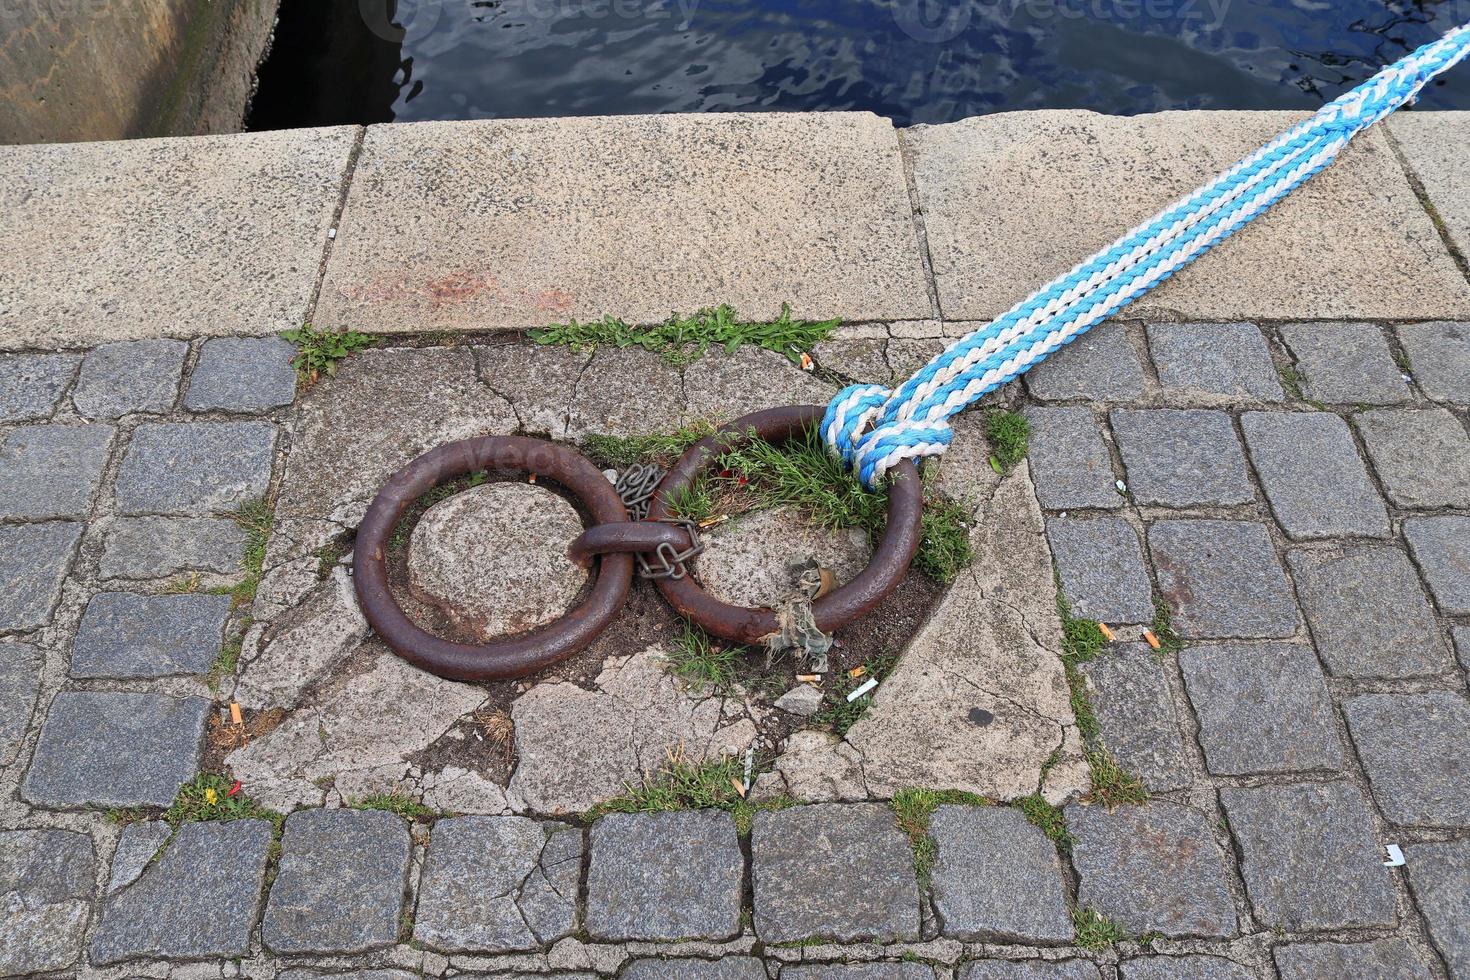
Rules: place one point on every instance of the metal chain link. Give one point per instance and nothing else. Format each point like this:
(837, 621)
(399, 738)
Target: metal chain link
(636, 486)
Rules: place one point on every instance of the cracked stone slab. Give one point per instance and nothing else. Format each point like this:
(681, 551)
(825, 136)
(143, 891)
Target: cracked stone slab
(31, 384)
(1416, 750)
(195, 468)
(578, 747)
(137, 845)
(494, 558)
(125, 635)
(118, 379)
(498, 884)
(51, 471)
(1439, 876)
(722, 386)
(304, 645)
(665, 876)
(541, 382)
(20, 681)
(992, 643)
(341, 883)
(1386, 959)
(46, 891)
(986, 856)
(749, 561)
(584, 188)
(199, 899)
(106, 223)
(37, 558)
(859, 971)
(1353, 243)
(841, 872)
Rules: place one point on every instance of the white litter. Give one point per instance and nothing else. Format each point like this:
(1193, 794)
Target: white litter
(331, 232)
(749, 765)
(872, 683)
(1122, 487)
(1395, 856)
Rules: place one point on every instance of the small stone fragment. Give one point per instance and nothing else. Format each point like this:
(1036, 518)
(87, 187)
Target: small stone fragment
(137, 845)
(117, 379)
(124, 635)
(242, 374)
(46, 892)
(803, 700)
(51, 471)
(37, 557)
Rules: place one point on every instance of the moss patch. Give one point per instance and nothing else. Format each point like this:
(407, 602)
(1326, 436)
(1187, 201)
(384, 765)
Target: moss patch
(1009, 435)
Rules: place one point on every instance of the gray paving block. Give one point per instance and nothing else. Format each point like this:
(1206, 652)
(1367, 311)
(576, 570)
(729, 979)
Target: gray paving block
(986, 856)
(124, 635)
(137, 845)
(1101, 365)
(20, 679)
(157, 547)
(1416, 750)
(1311, 473)
(842, 872)
(496, 884)
(1310, 857)
(1439, 877)
(1421, 455)
(46, 880)
(51, 471)
(340, 885)
(1029, 970)
(1070, 465)
(858, 971)
(1345, 363)
(141, 376)
(1439, 359)
(1182, 458)
(115, 749)
(1184, 968)
(664, 876)
(199, 899)
(242, 374)
(1224, 360)
(1222, 579)
(37, 557)
(1386, 959)
(195, 468)
(1441, 546)
(726, 968)
(31, 384)
(1368, 613)
(1100, 563)
(1135, 710)
(1462, 645)
(1261, 708)
(1152, 868)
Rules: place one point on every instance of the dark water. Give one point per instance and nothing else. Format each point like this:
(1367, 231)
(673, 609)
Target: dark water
(916, 61)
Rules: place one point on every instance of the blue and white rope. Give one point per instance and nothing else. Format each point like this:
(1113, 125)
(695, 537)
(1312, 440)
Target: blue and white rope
(873, 427)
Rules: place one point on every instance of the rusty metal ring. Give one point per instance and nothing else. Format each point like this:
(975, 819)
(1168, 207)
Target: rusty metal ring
(891, 558)
(514, 656)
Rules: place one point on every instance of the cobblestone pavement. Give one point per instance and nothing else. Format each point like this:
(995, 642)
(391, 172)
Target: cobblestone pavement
(1295, 497)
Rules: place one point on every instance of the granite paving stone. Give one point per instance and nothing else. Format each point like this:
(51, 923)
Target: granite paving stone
(1439, 877)
(124, 635)
(1152, 868)
(37, 557)
(1422, 455)
(199, 899)
(1345, 364)
(1439, 359)
(1416, 750)
(1261, 708)
(128, 239)
(1310, 857)
(1215, 361)
(495, 884)
(1182, 457)
(20, 680)
(1184, 968)
(1029, 970)
(242, 374)
(858, 971)
(1462, 645)
(1130, 695)
(406, 975)
(140, 376)
(137, 845)
(340, 885)
(986, 856)
(51, 471)
(31, 384)
(1222, 579)
(1317, 485)
(1386, 959)
(838, 872)
(115, 749)
(1101, 566)
(46, 891)
(726, 968)
(1441, 546)
(664, 876)
(1101, 365)
(1069, 460)
(195, 468)
(157, 547)
(1367, 612)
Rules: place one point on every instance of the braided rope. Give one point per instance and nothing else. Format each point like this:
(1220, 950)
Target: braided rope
(873, 427)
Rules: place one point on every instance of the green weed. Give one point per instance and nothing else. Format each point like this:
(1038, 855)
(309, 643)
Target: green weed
(841, 714)
(319, 351)
(682, 340)
(255, 519)
(395, 802)
(663, 448)
(1008, 433)
(207, 797)
(1095, 930)
(1082, 640)
(912, 810)
(1048, 819)
(701, 662)
(1112, 785)
(1292, 380)
(682, 785)
(1163, 630)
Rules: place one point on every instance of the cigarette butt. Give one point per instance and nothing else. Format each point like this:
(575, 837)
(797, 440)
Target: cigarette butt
(809, 678)
(1150, 639)
(711, 522)
(235, 713)
(872, 683)
(739, 786)
(806, 362)
(858, 671)
(1107, 633)
(829, 582)
(532, 478)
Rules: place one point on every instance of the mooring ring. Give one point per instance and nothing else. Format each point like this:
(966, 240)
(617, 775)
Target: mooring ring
(514, 656)
(891, 558)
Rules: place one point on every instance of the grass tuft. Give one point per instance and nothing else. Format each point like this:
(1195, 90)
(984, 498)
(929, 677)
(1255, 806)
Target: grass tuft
(1048, 819)
(1292, 380)
(255, 519)
(685, 785)
(701, 662)
(663, 448)
(1163, 630)
(1112, 785)
(395, 802)
(1008, 433)
(841, 714)
(207, 797)
(1095, 930)
(912, 809)
(319, 351)
(681, 340)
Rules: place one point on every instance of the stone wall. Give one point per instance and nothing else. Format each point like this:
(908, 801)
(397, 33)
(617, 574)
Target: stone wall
(73, 70)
